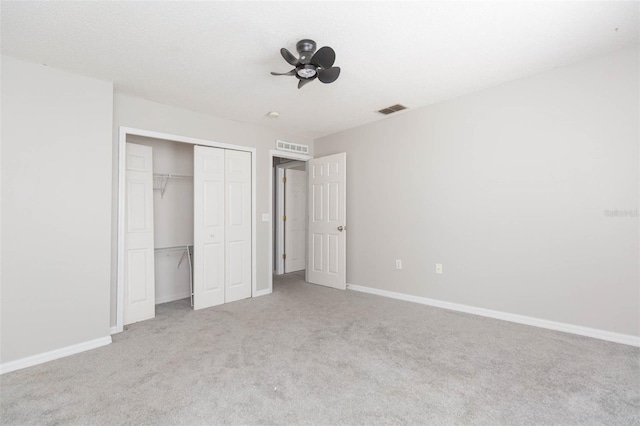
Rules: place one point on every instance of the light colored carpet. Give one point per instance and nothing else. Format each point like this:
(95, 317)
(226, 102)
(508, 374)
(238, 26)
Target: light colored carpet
(313, 355)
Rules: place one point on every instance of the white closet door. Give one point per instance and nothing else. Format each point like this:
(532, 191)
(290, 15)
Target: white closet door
(139, 280)
(295, 227)
(208, 227)
(238, 225)
(327, 221)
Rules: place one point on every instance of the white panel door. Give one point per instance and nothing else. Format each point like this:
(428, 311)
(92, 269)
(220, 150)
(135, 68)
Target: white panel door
(238, 225)
(139, 280)
(326, 240)
(208, 226)
(295, 225)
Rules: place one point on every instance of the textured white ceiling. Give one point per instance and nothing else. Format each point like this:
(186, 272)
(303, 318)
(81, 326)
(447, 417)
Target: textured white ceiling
(215, 57)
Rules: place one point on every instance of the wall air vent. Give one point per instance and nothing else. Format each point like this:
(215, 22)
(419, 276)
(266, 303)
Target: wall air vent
(292, 147)
(392, 109)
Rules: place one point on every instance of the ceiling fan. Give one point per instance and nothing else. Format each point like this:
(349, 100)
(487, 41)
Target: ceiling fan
(311, 64)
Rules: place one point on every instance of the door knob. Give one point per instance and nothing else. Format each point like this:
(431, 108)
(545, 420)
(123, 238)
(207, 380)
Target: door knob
(342, 228)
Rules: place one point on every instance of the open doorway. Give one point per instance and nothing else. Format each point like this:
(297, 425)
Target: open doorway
(290, 215)
(280, 162)
(326, 213)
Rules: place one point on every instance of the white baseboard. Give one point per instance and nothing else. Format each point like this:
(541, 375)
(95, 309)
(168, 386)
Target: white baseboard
(114, 330)
(625, 339)
(262, 292)
(172, 297)
(55, 354)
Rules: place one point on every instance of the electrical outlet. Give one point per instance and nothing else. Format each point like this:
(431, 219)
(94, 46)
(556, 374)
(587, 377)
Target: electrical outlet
(438, 268)
(398, 264)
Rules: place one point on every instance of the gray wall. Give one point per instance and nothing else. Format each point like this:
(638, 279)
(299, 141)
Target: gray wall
(142, 114)
(507, 188)
(56, 209)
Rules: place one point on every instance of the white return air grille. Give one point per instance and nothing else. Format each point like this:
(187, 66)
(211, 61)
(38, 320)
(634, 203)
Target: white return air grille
(292, 147)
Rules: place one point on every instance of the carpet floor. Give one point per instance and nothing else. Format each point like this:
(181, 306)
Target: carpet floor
(313, 355)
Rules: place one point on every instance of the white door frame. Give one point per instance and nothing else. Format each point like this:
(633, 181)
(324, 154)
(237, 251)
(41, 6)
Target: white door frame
(122, 140)
(278, 191)
(282, 154)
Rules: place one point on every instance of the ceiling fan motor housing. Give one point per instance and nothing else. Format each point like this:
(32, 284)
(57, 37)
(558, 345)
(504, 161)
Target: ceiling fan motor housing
(306, 48)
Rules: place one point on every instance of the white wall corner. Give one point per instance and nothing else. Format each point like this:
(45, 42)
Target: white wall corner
(30, 361)
(625, 339)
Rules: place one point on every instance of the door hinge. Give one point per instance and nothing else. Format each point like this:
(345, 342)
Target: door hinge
(284, 218)
(284, 179)
(284, 256)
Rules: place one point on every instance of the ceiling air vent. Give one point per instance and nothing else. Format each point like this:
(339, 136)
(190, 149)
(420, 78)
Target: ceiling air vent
(392, 109)
(292, 147)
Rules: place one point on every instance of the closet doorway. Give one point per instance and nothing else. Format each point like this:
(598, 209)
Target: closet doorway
(186, 223)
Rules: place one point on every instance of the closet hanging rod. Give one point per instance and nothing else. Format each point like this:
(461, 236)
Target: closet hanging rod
(172, 176)
(173, 248)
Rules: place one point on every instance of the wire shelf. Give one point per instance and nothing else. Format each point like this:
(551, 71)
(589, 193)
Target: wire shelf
(160, 181)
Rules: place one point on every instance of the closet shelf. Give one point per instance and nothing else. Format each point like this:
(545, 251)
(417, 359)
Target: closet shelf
(160, 180)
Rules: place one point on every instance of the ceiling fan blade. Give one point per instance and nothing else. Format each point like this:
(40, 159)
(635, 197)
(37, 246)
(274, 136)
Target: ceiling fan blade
(303, 82)
(292, 72)
(330, 75)
(288, 56)
(324, 58)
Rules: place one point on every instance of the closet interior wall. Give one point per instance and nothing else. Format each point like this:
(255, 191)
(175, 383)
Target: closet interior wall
(172, 215)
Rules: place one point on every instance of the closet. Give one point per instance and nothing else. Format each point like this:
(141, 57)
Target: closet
(187, 225)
